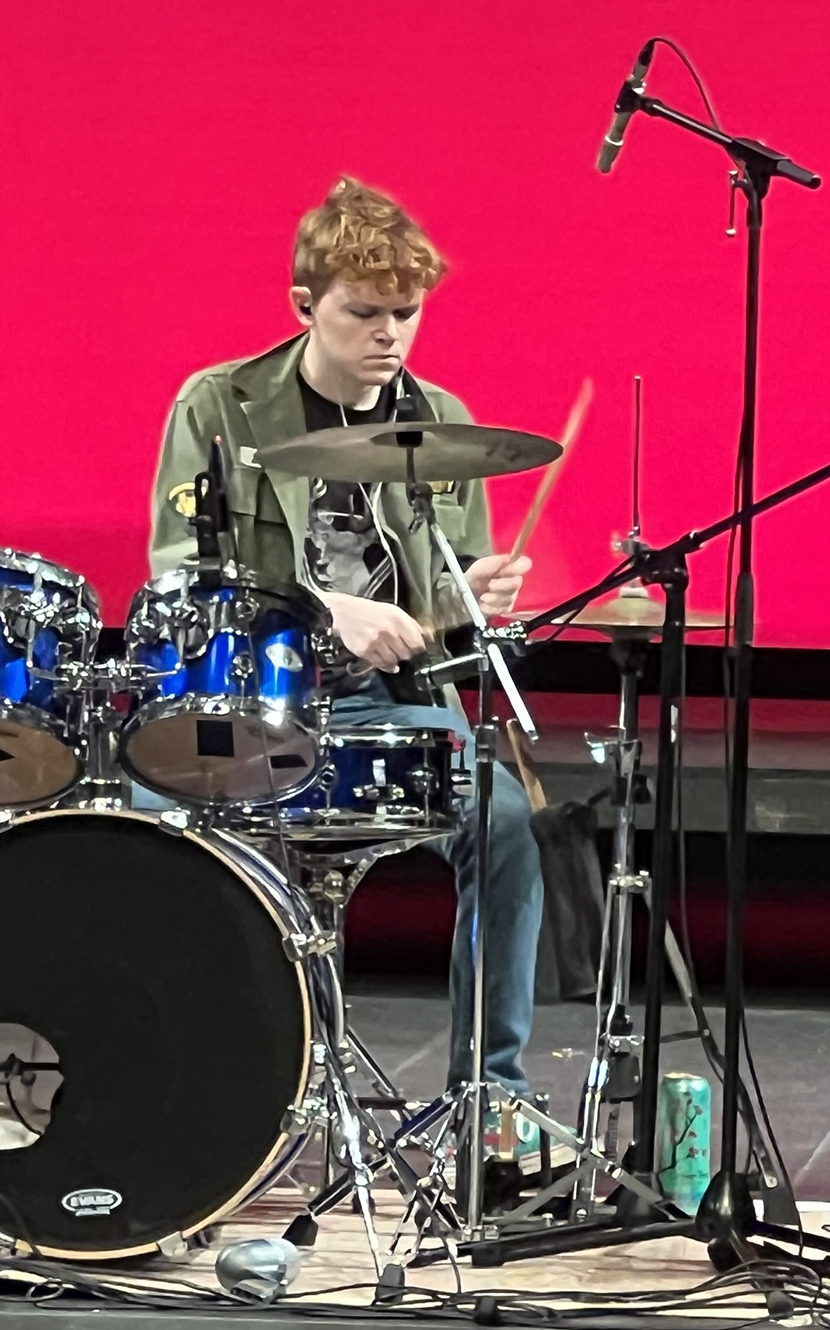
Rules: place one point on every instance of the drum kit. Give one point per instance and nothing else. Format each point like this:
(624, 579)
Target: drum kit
(174, 1028)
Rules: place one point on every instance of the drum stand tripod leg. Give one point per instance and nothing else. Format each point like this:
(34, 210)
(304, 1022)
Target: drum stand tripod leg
(361, 1176)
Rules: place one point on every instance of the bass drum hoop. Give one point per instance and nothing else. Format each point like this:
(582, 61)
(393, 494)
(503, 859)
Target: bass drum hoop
(227, 1207)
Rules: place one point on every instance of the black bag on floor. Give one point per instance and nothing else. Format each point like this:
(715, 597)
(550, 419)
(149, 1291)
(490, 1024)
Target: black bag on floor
(568, 956)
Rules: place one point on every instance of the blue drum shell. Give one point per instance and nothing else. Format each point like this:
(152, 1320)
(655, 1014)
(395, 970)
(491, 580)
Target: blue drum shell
(380, 775)
(277, 647)
(18, 686)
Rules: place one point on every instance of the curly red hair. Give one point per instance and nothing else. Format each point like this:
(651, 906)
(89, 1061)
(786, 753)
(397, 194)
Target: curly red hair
(360, 234)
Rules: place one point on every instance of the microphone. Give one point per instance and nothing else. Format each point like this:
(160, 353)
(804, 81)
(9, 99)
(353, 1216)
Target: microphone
(259, 1269)
(624, 109)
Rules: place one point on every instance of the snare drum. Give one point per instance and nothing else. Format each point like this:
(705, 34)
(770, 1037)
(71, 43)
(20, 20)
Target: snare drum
(380, 781)
(228, 712)
(49, 626)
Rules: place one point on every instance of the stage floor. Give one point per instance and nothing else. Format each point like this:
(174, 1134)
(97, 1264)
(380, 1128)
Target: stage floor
(339, 1268)
(408, 1033)
(407, 1030)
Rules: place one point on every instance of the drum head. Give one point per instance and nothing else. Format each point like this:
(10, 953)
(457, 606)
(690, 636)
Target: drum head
(156, 970)
(180, 749)
(35, 766)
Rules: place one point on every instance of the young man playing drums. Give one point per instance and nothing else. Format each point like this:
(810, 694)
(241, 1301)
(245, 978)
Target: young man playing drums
(361, 274)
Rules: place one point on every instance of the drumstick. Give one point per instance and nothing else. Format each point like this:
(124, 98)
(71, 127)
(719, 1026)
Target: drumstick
(572, 428)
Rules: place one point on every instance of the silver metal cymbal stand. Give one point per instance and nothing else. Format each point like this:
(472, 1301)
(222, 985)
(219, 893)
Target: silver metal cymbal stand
(613, 1076)
(489, 659)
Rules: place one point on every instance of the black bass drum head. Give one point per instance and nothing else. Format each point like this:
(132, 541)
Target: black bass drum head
(154, 966)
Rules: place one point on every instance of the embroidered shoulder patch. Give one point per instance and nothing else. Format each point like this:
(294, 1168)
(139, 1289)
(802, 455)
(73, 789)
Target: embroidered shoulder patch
(183, 499)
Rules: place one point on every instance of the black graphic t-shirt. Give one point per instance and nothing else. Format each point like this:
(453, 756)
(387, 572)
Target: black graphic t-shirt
(344, 548)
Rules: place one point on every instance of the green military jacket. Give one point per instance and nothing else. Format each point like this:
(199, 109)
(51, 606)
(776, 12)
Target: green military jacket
(255, 402)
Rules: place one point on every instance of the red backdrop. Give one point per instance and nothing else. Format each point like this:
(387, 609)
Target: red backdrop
(157, 157)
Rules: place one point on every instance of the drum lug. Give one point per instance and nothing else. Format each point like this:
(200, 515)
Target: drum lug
(175, 820)
(242, 667)
(173, 1246)
(374, 793)
(462, 784)
(299, 946)
(7, 819)
(424, 780)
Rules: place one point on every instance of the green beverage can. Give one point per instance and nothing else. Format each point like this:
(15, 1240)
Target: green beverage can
(684, 1123)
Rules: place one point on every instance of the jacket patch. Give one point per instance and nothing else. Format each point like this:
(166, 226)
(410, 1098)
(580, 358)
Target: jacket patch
(183, 499)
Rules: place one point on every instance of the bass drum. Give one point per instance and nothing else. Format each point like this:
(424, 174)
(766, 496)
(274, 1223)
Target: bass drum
(153, 963)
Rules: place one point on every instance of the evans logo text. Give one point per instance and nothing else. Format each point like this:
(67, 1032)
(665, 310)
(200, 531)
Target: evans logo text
(91, 1201)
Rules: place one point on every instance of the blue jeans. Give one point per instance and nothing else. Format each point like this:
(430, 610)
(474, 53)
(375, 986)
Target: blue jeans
(513, 892)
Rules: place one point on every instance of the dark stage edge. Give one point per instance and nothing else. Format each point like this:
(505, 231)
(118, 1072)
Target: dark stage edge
(789, 757)
(84, 1314)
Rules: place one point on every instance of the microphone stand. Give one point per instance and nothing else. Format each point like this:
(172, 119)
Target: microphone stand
(726, 1211)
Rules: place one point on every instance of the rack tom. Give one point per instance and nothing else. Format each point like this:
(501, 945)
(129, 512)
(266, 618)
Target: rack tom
(49, 626)
(227, 707)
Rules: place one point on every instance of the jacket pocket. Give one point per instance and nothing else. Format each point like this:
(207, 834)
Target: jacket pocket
(242, 490)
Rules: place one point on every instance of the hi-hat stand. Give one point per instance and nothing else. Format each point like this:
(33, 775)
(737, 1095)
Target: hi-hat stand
(614, 1074)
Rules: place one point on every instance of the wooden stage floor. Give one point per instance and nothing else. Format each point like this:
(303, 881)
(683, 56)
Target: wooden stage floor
(339, 1268)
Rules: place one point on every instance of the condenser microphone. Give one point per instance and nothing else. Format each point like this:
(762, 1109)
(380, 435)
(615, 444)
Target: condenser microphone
(259, 1269)
(624, 109)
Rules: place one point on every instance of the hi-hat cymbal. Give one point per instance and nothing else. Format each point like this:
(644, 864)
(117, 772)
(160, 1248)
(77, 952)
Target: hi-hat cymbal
(379, 452)
(633, 616)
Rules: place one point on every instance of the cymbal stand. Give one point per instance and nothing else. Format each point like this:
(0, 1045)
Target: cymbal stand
(614, 1077)
(474, 1098)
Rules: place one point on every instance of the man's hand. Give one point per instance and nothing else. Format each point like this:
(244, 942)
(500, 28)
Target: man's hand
(496, 581)
(374, 631)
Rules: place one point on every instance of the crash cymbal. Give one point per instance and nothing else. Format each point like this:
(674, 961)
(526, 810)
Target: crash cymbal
(626, 616)
(379, 452)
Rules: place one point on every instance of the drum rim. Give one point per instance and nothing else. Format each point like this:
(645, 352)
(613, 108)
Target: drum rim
(412, 736)
(16, 561)
(169, 708)
(363, 826)
(311, 613)
(204, 838)
(42, 720)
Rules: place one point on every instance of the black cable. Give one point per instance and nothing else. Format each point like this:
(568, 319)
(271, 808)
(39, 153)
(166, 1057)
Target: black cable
(21, 1227)
(750, 1062)
(17, 1113)
(681, 55)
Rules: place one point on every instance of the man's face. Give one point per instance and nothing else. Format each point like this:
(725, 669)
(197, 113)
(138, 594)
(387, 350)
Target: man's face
(363, 334)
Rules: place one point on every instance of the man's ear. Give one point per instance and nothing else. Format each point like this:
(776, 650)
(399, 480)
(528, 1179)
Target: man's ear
(300, 298)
